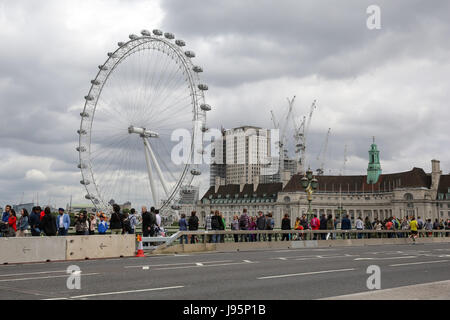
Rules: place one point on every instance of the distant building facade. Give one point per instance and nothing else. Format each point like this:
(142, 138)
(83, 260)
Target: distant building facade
(375, 195)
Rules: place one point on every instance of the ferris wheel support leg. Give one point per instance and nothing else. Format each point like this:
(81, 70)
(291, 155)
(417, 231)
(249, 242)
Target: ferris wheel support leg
(158, 168)
(150, 174)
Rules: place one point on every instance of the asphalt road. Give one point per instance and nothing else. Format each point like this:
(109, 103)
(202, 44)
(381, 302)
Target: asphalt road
(271, 274)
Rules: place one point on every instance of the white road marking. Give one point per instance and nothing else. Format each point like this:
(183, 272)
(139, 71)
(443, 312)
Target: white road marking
(326, 257)
(145, 268)
(247, 261)
(30, 273)
(304, 274)
(413, 263)
(51, 277)
(204, 266)
(199, 264)
(116, 293)
(176, 264)
(392, 258)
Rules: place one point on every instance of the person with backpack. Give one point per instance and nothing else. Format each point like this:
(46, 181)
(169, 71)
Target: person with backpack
(115, 221)
(193, 225)
(315, 225)
(48, 223)
(243, 225)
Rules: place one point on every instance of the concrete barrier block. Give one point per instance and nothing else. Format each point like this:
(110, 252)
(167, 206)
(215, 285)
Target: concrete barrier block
(95, 247)
(32, 249)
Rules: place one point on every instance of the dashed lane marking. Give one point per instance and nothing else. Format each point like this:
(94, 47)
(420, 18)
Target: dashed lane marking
(304, 274)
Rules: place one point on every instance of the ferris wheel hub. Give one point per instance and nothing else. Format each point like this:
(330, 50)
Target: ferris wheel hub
(143, 132)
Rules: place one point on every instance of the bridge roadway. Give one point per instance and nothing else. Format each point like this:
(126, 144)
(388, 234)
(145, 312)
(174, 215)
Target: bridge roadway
(270, 274)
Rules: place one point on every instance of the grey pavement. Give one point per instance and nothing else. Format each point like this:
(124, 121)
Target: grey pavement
(256, 275)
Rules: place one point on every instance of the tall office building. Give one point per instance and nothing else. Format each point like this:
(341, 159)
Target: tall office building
(239, 155)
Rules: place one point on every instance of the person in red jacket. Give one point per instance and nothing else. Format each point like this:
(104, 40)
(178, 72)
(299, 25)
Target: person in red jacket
(315, 224)
(12, 222)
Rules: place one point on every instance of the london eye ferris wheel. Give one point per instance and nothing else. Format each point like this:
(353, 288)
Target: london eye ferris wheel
(147, 88)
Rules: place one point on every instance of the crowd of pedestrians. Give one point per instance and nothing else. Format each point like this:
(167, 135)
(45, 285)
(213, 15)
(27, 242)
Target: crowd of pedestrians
(41, 222)
(216, 222)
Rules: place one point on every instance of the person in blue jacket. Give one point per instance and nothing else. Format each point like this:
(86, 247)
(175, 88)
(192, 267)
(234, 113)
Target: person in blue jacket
(62, 223)
(346, 224)
(103, 225)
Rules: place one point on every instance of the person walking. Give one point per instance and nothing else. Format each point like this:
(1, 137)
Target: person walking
(23, 223)
(193, 225)
(359, 224)
(252, 226)
(346, 224)
(330, 226)
(116, 220)
(80, 224)
(182, 223)
(368, 226)
(62, 223)
(298, 227)
(315, 225)
(12, 223)
(243, 224)
(92, 224)
(5, 215)
(323, 226)
(428, 227)
(414, 227)
(48, 223)
(34, 222)
(126, 225)
(146, 223)
(270, 224)
(235, 227)
(261, 225)
(285, 225)
(133, 220)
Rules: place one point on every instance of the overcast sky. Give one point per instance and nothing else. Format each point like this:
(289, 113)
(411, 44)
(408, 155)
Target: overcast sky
(392, 83)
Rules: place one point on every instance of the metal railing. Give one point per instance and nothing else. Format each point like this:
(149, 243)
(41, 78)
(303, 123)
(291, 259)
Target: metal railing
(229, 236)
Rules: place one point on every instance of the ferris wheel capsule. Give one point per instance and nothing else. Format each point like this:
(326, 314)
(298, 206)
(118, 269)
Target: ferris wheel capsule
(180, 43)
(84, 115)
(103, 68)
(146, 33)
(190, 54)
(169, 35)
(89, 98)
(112, 55)
(95, 82)
(197, 69)
(205, 107)
(81, 149)
(120, 44)
(157, 32)
(203, 87)
(133, 37)
(85, 182)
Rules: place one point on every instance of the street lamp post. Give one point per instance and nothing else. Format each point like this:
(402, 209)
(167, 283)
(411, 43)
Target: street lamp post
(310, 184)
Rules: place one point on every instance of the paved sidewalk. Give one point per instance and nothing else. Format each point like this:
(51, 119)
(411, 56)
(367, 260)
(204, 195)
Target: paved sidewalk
(439, 290)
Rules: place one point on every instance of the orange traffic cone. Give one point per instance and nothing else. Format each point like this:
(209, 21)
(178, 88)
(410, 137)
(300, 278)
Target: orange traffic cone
(140, 251)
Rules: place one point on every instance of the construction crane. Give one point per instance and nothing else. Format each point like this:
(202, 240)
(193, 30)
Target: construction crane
(283, 127)
(344, 167)
(322, 157)
(301, 135)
